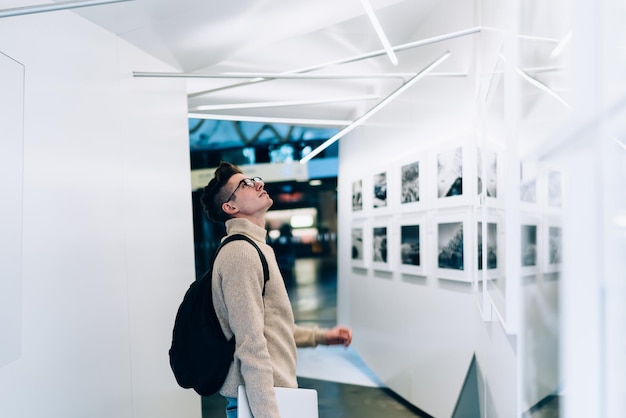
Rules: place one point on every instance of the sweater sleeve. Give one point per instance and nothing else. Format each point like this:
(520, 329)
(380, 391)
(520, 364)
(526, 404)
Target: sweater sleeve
(242, 284)
(309, 337)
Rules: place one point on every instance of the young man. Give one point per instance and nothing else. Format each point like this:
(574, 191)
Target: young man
(263, 325)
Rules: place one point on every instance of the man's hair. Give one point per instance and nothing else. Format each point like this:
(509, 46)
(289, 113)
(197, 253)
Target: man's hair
(214, 194)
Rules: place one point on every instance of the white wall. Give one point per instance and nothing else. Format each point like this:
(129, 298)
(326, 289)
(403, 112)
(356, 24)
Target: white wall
(564, 330)
(107, 226)
(418, 332)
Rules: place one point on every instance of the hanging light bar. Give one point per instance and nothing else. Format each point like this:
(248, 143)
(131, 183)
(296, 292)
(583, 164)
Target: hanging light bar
(272, 76)
(559, 48)
(374, 110)
(284, 103)
(373, 54)
(53, 7)
(380, 32)
(538, 84)
(269, 119)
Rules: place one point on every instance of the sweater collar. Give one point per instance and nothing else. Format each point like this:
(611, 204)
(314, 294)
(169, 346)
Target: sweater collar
(244, 226)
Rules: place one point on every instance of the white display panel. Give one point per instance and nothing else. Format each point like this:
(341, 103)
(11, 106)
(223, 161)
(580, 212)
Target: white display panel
(11, 163)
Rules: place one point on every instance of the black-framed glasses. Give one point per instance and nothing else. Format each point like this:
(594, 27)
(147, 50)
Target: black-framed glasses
(247, 182)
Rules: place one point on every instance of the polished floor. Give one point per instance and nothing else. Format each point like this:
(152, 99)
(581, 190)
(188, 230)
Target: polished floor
(346, 387)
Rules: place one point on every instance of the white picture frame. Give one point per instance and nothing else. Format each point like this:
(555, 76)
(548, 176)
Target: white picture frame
(410, 181)
(552, 246)
(554, 189)
(380, 244)
(357, 196)
(454, 238)
(530, 248)
(490, 188)
(359, 244)
(380, 191)
(493, 244)
(453, 171)
(411, 239)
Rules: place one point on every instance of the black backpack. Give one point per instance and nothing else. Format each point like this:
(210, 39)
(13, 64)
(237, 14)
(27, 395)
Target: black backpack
(200, 356)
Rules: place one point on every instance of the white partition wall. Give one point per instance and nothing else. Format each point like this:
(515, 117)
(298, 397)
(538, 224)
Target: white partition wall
(107, 226)
(11, 163)
(542, 319)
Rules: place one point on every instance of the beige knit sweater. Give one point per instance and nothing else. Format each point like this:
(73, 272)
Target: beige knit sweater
(264, 329)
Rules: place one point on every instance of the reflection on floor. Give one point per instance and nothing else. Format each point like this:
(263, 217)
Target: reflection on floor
(346, 387)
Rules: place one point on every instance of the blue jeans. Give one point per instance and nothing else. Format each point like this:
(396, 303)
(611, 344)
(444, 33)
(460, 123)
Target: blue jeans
(231, 407)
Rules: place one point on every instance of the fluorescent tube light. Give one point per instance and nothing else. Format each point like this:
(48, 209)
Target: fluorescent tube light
(265, 119)
(375, 109)
(539, 84)
(379, 31)
(559, 48)
(272, 76)
(283, 103)
(53, 7)
(373, 54)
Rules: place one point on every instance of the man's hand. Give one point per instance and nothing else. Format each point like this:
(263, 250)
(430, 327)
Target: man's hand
(339, 335)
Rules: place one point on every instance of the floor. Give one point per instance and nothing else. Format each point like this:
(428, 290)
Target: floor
(346, 387)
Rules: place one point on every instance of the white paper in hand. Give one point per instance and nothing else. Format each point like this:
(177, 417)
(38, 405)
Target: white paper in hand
(292, 403)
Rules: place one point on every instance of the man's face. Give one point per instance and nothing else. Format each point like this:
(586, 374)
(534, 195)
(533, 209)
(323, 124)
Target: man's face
(248, 194)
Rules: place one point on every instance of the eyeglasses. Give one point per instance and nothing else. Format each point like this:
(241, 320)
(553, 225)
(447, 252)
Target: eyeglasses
(246, 183)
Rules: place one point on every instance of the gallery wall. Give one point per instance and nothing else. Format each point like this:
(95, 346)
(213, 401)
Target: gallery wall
(420, 327)
(107, 243)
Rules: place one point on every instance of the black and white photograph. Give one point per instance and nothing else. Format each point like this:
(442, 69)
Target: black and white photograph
(450, 173)
(554, 246)
(410, 175)
(450, 246)
(410, 245)
(528, 191)
(380, 244)
(357, 244)
(490, 182)
(554, 189)
(529, 245)
(357, 195)
(492, 246)
(380, 190)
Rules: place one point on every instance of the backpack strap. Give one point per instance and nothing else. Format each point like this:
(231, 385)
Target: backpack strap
(237, 237)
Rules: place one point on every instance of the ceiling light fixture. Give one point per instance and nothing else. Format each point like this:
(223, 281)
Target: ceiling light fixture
(53, 7)
(543, 87)
(559, 48)
(539, 84)
(273, 76)
(375, 109)
(380, 32)
(266, 119)
(282, 103)
(373, 54)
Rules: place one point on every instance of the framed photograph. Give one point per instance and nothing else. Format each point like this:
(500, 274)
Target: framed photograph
(357, 196)
(555, 189)
(528, 191)
(487, 169)
(553, 247)
(411, 232)
(489, 244)
(450, 173)
(410, 185)
(379, 190)
(358, 244)
(380, 246)
(453, 248)
(529, 235)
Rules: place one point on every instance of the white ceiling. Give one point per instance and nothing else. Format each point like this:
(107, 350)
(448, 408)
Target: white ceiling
(285, 36)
